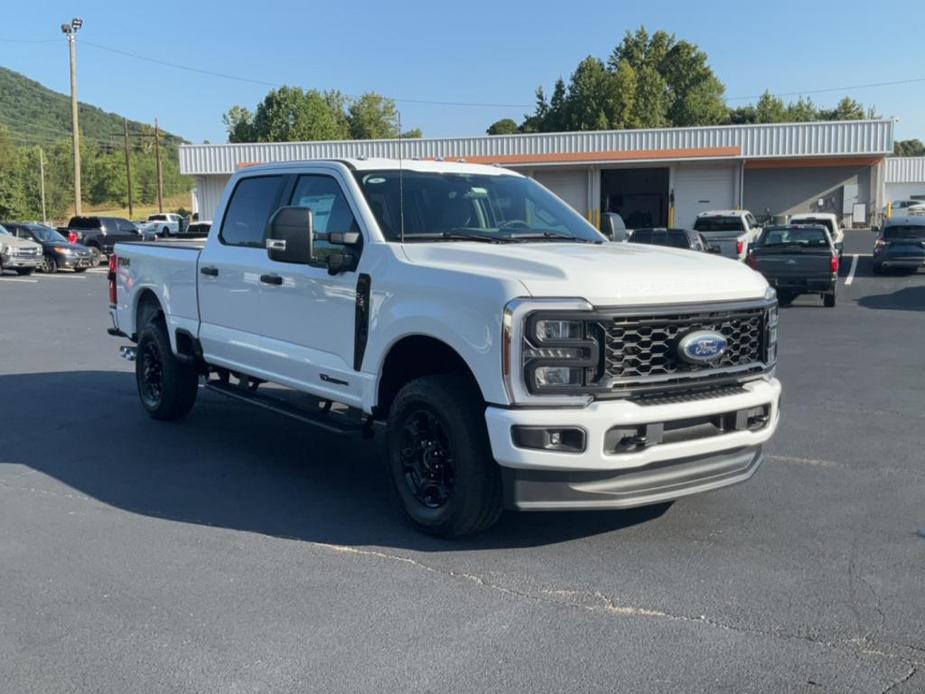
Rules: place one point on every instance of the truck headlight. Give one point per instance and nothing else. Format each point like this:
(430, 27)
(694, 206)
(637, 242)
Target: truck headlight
(547, 330)
(556, 376)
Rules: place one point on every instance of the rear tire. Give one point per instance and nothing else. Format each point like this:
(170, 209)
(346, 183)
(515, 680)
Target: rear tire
(829, 300)
(167, 387)
(440, 459)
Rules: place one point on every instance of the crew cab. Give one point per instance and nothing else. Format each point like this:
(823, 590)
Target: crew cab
(797, 259)
(514, 356)
(100, 234)
(673, 238)
(731, 231)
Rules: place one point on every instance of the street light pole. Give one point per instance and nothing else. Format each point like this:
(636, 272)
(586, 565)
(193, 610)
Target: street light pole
(70, 30)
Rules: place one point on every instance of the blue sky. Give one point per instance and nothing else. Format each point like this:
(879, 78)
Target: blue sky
(482, 52)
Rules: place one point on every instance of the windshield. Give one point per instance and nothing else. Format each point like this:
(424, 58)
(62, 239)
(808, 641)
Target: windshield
(4, 232)
(824, 221)
(811, 237)
(43, 233)
(904, 232)
(461, 206)
(708, 224)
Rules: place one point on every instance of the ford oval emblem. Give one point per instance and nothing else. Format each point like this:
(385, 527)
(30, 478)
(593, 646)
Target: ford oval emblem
(702, 347)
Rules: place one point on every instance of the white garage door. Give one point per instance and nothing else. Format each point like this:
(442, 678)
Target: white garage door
(571, 186)
(698, 188)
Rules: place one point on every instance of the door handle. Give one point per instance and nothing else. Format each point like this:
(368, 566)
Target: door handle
(210, 271)
(271, 279)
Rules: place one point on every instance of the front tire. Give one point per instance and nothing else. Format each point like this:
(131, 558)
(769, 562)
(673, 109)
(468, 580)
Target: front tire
(440, 460)
(95, 254)
(49, 264)
(166, 386)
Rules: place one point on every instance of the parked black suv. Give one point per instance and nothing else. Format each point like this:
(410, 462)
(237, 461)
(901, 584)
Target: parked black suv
(673, 238)
(901, 245)
(100, 234)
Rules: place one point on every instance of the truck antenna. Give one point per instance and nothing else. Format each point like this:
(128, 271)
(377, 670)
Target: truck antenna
(401, 186)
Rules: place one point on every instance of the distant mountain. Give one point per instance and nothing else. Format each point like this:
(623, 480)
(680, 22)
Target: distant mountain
(37, 115)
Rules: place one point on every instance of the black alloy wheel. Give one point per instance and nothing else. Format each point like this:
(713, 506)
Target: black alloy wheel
(427, 459)
(151, 383)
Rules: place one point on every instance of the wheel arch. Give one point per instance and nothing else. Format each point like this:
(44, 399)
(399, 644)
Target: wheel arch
(414, 356)
(147, 304)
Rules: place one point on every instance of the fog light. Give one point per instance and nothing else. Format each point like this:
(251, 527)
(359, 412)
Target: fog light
(563, 439)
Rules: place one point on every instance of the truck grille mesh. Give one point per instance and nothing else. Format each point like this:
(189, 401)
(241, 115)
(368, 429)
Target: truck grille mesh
(642, 349)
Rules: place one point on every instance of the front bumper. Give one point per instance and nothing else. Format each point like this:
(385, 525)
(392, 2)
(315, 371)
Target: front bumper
(15, 262)
(666, 470)
(74, 261)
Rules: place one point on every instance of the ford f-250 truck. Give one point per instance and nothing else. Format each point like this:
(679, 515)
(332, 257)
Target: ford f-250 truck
(515, 356)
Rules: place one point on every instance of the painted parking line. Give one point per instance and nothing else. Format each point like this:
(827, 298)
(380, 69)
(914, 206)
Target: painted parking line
(854, 266)
(70, 275)
(18, 279)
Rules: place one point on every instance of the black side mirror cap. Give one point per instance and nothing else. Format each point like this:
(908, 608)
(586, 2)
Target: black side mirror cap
(290, 235)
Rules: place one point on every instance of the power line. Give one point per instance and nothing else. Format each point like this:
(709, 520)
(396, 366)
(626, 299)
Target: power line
(264, 83)
(832, 89)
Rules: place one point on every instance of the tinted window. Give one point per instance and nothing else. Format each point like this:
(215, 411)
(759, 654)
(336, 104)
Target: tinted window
(84, 223)
(641, 236)
(329, 206)
(825, 221)
(795, 236)
(904, 232)
(252, 202)
(708, 224)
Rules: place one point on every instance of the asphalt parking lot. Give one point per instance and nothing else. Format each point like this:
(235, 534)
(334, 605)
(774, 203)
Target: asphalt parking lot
(238, 552)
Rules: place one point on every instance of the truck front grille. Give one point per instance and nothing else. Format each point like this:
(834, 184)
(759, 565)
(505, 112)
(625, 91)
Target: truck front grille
(640, 350)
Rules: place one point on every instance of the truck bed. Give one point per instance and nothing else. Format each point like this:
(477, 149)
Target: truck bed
(166, 269)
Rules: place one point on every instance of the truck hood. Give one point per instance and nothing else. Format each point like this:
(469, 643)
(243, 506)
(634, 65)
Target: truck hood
(604, 274)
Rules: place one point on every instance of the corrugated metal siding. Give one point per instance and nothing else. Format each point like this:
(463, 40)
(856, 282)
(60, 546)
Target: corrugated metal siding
(905, 170)
(756, 141)
(209, 191)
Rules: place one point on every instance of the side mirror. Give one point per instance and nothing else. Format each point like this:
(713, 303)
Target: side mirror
(290, 237)
(614, 228)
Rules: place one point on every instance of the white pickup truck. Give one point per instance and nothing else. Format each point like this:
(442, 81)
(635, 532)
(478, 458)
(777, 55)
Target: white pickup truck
(515, 356)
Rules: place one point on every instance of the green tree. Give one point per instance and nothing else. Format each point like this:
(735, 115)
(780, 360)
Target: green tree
(371, 117)
(802, 111)
(505, 126)
(239, 122)
(290, 114)
(12, 195)
(770, 109)
(413, 134)
(587, 104)
(847, 109)
(909, 148)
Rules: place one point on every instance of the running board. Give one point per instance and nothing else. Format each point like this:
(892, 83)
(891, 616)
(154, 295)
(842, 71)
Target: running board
(323, 419)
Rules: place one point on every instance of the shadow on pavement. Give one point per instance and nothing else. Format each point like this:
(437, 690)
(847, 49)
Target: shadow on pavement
(905, 299)
(234, 466)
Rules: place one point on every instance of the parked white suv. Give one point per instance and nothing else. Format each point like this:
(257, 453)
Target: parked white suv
(731, 231)
(515, 356)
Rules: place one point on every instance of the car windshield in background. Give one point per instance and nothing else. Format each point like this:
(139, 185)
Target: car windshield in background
(809, 237)
(460, 206)
(827, 223)
(47, 234)
(707, 224)
(912, 231)
(4, 232)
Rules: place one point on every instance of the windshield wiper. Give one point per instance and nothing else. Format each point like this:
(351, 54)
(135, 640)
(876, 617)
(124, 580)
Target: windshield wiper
(454, 236)
(551, 235)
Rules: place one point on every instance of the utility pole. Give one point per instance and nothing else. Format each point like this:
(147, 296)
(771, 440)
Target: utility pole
(42, 179)
(128, 167)
(70, 30)
(160, 173)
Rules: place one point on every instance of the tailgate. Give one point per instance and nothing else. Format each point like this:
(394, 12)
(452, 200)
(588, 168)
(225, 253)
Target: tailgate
(726, 242)
(796, 264)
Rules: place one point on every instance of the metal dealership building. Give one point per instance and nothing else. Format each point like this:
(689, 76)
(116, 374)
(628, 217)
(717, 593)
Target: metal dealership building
(660, 177)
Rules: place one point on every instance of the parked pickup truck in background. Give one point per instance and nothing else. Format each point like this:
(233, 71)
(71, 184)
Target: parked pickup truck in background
(99, 234)
(797, 259)
(829, 221)
(164, 224)
(731, 231)
(514, 356)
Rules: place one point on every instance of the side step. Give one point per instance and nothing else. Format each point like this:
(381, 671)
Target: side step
(324, 418)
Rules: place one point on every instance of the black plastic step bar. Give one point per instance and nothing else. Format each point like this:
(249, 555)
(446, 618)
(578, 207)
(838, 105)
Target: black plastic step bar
(325, 418)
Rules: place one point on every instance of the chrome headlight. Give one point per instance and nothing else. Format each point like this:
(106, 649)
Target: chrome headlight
(63, 251)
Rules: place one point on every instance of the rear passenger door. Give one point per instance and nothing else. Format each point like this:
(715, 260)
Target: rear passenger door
(228, 276)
